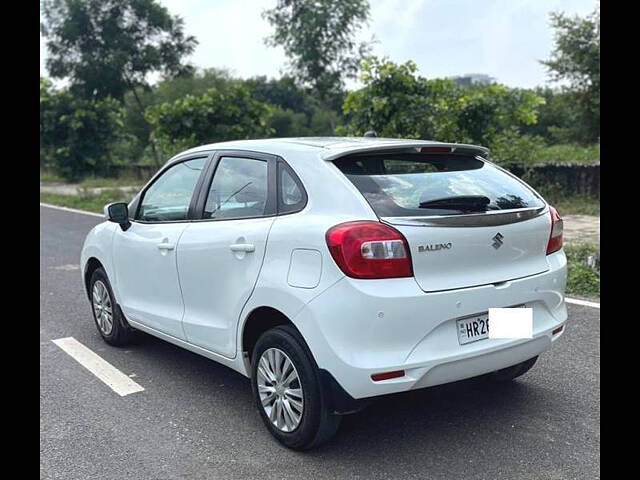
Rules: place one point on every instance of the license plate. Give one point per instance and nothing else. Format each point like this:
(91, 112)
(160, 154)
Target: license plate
(472, 329)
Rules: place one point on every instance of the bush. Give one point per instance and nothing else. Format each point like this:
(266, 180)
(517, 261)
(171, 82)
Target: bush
(76, 135)
(569, 154)
(396, 102)
(584, 270)
(214, 116)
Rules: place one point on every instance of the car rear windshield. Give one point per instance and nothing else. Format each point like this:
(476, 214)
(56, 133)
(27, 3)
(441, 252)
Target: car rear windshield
(413, 185)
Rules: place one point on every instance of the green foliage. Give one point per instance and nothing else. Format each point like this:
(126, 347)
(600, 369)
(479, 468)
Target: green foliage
(576, 60)
(583, 270)
(575, 204)
(107, 47)
(168, 90)
(569, 154)
(396, 102)
(282, 92)
(510, 147)
(318, 37)
(558, 117)
(76, 135)
(214, 116)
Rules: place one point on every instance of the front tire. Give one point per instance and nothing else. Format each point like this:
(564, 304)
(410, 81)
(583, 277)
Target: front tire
(109, 320)
(287, 392)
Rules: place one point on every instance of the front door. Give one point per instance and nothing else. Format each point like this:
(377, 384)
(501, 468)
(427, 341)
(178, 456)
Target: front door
(145, 254)
(220, 256)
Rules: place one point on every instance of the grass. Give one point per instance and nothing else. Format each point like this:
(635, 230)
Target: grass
(583, 278)
(569, 153)
(51, 178)
(95, 182)
(88, 202)
(575, 204)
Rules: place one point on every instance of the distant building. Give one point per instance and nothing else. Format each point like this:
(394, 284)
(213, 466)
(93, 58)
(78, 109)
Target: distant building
(472, 79)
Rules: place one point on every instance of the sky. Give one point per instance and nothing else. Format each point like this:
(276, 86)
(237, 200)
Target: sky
(505, 39)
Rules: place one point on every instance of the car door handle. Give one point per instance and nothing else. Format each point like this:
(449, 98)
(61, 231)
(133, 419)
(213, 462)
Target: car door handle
(242, 247)
(166, 246)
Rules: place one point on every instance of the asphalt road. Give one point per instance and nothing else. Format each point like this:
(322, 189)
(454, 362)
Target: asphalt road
(195, 418)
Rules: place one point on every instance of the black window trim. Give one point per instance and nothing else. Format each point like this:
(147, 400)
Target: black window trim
(270, 205)
(198, 200)
(134, 206)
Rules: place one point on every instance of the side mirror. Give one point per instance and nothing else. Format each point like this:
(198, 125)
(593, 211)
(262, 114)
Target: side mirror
(118, 212)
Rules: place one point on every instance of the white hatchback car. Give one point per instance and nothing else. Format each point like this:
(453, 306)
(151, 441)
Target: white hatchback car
(331, 270)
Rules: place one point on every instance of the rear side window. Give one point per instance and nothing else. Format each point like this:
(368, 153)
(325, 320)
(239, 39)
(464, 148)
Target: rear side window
(291, 194)
(426, 185)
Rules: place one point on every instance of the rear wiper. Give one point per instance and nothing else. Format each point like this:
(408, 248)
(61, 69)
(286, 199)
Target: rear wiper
(475, 203)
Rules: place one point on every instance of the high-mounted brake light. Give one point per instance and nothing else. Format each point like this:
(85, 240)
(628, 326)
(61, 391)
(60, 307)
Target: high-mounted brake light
(436, 150)
(557, 226)
(365, 249)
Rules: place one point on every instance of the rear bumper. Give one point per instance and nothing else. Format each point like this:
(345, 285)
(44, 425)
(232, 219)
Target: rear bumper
(360, 327)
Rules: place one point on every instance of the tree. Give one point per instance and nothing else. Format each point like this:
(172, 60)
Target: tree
(396, 102)
(107, 47)
(76, 135)
(318, 37)
(576, 60)
(167, 90)
(214, 116)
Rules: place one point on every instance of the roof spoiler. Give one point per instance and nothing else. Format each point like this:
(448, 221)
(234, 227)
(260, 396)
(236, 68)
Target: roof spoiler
(413, 147)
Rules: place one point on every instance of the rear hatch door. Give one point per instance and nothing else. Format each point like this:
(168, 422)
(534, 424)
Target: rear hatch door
(467, 222)
(449, 257)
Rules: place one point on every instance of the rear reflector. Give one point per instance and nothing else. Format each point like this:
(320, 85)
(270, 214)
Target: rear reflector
(557, 330)
(376, 377)
(555, 239)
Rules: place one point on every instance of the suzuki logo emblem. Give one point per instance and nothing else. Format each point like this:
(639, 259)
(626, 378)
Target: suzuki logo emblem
(497, 241)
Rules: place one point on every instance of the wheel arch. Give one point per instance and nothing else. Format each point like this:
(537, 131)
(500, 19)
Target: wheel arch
(259, 320)
(91, 266)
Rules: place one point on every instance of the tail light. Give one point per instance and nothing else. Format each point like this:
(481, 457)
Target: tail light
(555, 240)
(369, 250)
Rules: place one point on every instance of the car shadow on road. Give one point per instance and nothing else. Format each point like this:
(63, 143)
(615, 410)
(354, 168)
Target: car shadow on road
(422, 418)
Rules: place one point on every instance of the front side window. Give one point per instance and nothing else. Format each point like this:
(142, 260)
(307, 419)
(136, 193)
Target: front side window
(424, 185)
(239, 189)
(168, 198)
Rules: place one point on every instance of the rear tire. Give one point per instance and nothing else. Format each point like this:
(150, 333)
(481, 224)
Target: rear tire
(513, 372)
(310, 423)
(110, 321)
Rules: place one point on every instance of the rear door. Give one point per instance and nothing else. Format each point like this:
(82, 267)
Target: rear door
(467, 222)
(220, 255)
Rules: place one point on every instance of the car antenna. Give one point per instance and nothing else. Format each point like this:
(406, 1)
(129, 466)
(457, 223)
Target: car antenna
(371, 133)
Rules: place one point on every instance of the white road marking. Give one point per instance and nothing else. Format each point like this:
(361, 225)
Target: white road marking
(114, 378)
(67, 209)
(584, 303)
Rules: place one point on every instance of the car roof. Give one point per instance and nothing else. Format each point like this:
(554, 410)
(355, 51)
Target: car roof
(330, 148)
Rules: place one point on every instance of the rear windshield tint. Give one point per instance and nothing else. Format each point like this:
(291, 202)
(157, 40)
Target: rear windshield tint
(425, 185)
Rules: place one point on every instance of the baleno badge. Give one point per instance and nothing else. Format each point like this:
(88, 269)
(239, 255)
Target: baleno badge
(434, 247)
